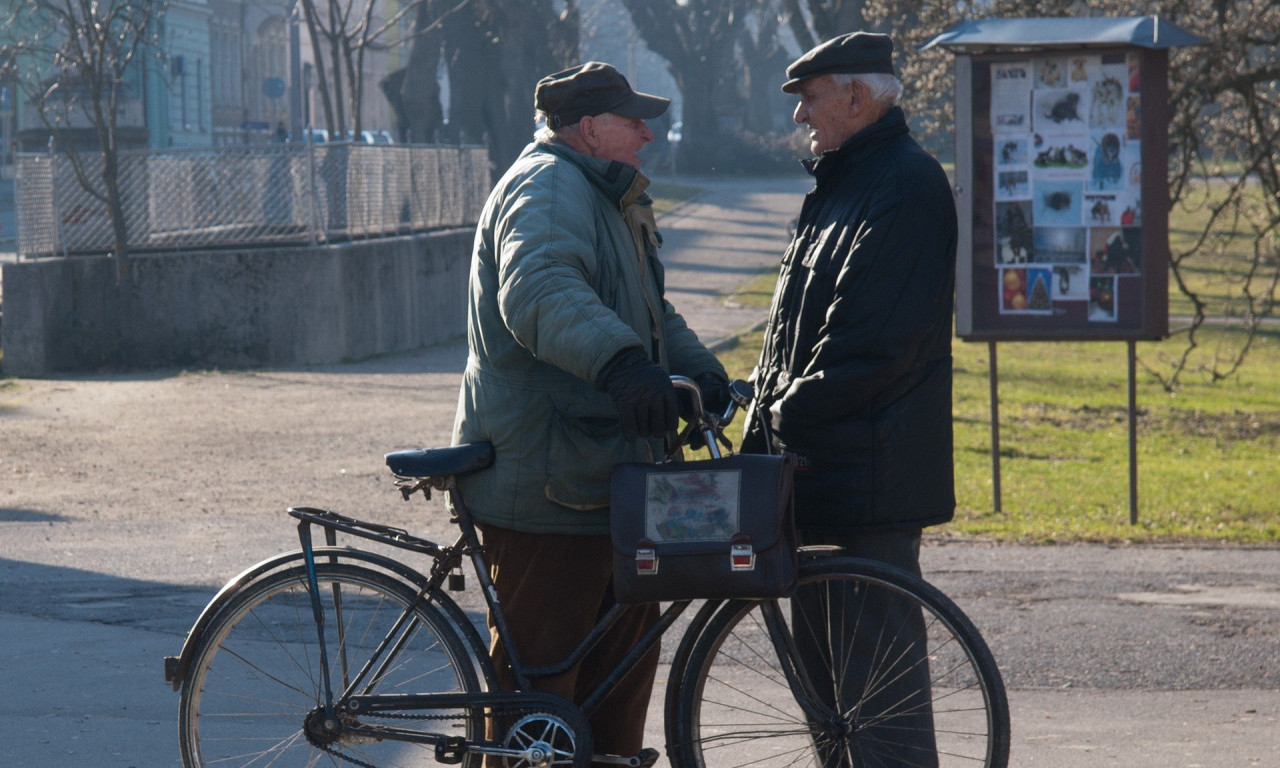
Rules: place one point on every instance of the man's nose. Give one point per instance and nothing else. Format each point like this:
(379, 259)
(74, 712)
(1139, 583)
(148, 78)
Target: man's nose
(646, 133)
(800, 114)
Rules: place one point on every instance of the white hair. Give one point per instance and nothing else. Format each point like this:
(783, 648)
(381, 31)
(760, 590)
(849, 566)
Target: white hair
(885, 89)
(544, 133)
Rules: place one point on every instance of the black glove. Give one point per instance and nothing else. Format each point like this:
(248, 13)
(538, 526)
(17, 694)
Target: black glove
(642, 392)
(715, 393)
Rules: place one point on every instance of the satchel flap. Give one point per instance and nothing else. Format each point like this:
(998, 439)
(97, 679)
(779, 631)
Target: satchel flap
(700, 506)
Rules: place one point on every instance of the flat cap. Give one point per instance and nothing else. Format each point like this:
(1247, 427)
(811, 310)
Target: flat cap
(857, 53)
(592, 89)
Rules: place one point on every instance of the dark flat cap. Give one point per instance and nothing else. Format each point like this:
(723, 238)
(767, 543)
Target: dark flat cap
(857, 53)
(592, 89)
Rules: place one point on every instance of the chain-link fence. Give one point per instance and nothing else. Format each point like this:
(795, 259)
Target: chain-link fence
(288, 193)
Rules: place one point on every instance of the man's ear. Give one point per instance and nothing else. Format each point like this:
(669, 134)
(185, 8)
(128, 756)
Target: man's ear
(857, 97)
(587, 131)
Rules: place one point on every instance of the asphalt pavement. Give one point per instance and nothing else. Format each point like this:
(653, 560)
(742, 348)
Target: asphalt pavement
(1133, 656)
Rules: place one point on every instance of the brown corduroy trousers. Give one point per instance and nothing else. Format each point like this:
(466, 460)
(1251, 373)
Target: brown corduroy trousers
(553, 588)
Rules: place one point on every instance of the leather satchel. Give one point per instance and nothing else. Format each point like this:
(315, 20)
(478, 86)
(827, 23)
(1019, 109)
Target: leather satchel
(713, 529)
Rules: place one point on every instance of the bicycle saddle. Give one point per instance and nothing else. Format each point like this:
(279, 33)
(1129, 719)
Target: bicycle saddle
(441, 462)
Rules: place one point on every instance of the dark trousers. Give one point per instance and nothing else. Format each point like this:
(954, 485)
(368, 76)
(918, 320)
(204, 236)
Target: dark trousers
(866, 654)
(553, 588)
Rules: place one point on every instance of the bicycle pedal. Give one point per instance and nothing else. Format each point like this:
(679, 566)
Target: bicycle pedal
(451, 750)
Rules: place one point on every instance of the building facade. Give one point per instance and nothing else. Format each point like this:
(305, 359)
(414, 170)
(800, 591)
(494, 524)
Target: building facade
(229, 72)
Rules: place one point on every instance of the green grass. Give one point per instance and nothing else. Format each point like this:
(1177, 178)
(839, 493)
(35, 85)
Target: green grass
(1218, 270)
(1207, 458)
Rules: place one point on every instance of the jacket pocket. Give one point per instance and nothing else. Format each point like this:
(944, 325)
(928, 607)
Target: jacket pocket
(581, 452)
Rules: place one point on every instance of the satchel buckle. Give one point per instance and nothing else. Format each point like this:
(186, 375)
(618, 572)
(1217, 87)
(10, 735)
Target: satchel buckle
(742, 557)
(646, 561)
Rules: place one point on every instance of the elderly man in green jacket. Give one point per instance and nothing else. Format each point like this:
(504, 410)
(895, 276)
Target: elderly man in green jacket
(571, 345)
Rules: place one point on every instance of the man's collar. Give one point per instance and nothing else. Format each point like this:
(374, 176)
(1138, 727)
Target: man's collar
(891, 123)
(621, 182)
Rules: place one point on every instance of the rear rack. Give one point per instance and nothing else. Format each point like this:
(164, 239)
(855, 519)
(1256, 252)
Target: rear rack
(383, 534)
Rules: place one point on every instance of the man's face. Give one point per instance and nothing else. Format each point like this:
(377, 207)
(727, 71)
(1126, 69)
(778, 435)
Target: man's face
(830, 110)
(611, 137)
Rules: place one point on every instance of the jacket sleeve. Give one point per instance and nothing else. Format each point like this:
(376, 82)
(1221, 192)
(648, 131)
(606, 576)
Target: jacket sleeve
(893, 283)
(546, 243)
(687, 354)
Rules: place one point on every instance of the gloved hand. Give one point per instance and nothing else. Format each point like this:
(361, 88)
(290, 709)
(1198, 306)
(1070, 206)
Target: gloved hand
(715, 399)
(715, 392)
(642, 392)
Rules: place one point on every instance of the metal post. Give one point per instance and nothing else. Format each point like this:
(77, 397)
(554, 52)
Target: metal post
(1133, 433)
(993, 378)
(313, 226)
(53, 196)
(296, 117)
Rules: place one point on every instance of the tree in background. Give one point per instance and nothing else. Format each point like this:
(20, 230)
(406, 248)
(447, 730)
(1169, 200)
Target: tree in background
(494, 52)
(342, 32)
(725, 58)
(813, 21)
(78, 64)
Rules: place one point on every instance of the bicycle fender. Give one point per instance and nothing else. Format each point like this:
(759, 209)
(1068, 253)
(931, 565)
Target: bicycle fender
(175, 667)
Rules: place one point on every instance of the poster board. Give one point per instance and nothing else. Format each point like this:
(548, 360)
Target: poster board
(1061, 180)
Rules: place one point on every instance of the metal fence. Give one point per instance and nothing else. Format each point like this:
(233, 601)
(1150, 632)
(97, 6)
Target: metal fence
(274, 194)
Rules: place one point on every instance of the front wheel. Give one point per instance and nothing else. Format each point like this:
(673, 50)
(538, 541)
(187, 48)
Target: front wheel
(254, 693)
(866, 665)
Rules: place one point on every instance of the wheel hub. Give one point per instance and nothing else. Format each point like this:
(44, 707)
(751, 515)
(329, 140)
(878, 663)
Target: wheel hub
(320, 730)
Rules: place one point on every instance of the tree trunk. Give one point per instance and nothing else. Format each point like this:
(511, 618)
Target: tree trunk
(418, 95)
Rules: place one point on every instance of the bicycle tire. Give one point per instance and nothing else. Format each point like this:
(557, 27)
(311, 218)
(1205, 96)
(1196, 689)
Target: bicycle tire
(735, 705)
(256, 675)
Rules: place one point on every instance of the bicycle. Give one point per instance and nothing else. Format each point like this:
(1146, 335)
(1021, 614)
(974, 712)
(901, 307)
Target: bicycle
(348, 656)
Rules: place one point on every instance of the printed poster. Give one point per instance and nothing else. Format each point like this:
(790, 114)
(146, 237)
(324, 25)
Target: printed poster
(1067, 181)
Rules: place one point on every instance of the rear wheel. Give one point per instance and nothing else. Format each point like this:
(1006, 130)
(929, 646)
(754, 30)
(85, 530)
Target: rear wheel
(866, 665)
(254, 693)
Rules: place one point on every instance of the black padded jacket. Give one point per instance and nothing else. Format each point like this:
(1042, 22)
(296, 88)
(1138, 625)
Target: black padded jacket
(855, 372)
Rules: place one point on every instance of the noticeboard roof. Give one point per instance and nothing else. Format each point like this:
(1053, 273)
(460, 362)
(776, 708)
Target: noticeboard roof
(993, 34)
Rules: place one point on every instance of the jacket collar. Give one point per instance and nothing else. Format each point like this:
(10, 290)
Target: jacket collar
(619, 182)
(893, 123)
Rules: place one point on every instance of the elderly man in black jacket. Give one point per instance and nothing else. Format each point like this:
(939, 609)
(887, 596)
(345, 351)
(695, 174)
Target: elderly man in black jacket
(854, 381)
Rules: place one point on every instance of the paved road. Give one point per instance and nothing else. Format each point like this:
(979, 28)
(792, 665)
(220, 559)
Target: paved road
(1140, 657)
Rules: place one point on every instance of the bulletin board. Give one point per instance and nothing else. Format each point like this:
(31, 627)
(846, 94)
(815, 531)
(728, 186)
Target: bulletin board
(1061, 175)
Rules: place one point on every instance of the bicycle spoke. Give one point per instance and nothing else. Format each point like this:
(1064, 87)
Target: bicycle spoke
(252, 696)
(891, 672)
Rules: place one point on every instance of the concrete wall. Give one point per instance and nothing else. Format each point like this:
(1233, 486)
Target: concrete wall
(235, 309)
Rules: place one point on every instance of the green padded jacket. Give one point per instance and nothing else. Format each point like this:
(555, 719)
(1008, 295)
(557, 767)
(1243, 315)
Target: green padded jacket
(564, 275)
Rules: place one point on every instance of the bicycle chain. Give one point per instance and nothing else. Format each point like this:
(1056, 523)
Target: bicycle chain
(396, 716)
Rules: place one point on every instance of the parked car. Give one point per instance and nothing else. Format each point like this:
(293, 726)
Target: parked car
(315, 135)
(371, 137)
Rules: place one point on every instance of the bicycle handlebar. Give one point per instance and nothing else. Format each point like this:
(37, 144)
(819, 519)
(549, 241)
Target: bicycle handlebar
(711, 425)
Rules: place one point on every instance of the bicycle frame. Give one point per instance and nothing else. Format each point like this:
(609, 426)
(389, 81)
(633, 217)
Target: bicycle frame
(445, 559)
(347, 692)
